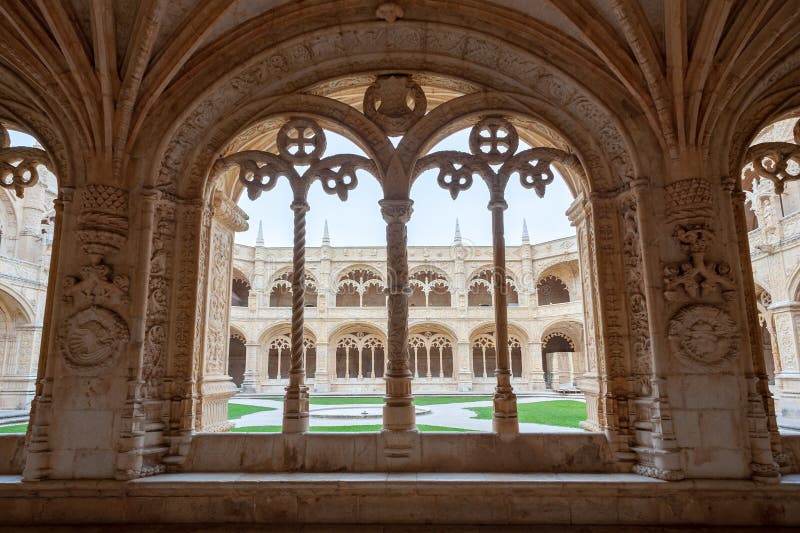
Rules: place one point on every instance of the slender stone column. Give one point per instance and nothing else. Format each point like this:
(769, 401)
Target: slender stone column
(504, 419)
(398, 409)
(787, 337)
(250, 367)
(464, 358)
(537, 372)
(295, 404)
(322, 380)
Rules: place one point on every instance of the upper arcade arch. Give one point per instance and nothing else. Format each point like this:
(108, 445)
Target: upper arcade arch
(539, 89)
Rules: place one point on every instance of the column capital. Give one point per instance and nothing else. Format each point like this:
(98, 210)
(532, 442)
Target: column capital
(300, 206)
(497, 203)
(396, 211)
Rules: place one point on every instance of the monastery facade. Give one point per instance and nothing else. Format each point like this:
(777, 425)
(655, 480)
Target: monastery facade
(451, 341)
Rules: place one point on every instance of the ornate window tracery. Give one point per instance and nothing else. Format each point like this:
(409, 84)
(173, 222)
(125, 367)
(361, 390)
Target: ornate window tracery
(240, 292)
(493, 156)
(360, 287)
(551, 290)
(481, 289)
(360, 355)
(484, 355)
(279, 357)
(430, 355)
(429, 288)
(280, 294)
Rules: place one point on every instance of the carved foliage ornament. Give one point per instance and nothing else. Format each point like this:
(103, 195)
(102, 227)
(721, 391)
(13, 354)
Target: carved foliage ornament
(704, 337)
(300, 142)
(18, 164)
(95, 332)
(697, 278)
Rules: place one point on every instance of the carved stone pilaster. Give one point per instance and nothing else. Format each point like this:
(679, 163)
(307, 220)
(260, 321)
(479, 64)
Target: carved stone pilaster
(398, 411)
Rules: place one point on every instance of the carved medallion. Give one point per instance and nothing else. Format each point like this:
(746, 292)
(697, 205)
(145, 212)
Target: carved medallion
(92, 337)
(395, 103)
(703, 336)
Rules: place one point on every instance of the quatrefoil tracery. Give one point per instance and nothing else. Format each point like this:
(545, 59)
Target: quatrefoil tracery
(300, 142)
(778, 162)
(18, 165)
(493, 142)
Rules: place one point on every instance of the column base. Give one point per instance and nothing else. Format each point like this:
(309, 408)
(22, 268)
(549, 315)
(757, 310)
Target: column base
(248, 386)
(322, 382)
(787, 400)
(295, 410)
(505, 420)
(399, 418)
(215, 391)
(465, 382)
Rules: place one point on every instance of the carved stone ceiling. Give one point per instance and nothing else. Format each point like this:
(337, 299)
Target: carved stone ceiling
(175, 13)
(717, 50)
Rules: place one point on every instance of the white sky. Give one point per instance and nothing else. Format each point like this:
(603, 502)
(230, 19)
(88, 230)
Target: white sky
(358, 221)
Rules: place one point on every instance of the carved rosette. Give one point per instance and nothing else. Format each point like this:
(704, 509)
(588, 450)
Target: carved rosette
(91, 338)
(703, 337)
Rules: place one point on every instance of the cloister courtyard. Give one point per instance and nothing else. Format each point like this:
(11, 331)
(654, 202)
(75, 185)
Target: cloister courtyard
(350, 414)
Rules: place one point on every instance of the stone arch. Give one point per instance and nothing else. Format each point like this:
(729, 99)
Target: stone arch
(566, 272)
(9, 222)
(18, 352)
(203, 121)
(794, 284)
(430, 286)
(360, 352)
(431, 351)
(563, 358)
(280, 289)
(482, 344)
(360, 285)
(275, 352)
(550, 289)
(240, 290)
(480, 287)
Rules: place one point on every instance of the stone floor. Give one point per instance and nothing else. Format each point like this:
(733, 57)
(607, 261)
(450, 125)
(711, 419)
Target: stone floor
(320, 528)
(455, 415)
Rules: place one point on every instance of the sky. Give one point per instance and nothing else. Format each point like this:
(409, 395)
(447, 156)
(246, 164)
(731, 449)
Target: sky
(358, 221)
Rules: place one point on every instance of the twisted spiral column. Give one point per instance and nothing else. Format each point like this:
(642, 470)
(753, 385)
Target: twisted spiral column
(295, 404)
(504, 416)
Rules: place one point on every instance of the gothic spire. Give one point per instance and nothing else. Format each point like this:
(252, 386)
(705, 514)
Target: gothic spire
(457, 236)
(326, 238)
(525, 237)
(260, 237)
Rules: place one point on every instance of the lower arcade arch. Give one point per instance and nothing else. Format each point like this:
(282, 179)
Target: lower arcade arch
(274, 360)
(563, 360)
(360, 354)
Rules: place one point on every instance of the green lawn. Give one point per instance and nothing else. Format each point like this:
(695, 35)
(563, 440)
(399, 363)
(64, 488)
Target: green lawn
(419, 400)
(564, 413)
(238, 410)
(16, 428)
(342, 429)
